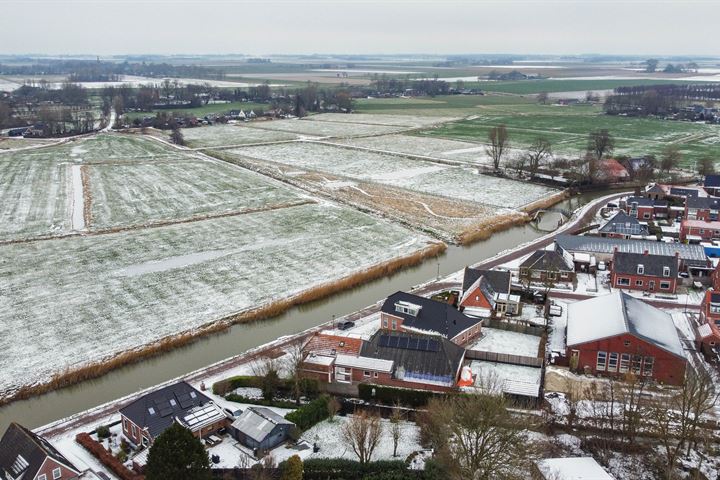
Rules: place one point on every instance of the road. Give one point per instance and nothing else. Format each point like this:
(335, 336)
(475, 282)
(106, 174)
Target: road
(88, 418)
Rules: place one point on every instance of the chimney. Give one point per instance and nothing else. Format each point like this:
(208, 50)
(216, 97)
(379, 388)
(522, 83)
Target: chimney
(645, 252)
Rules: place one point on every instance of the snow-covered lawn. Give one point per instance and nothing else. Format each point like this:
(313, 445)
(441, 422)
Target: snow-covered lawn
(223, 135)
(76, 300)
(505, 341)
(326, 129)
(462, 183)
(328, 436)
(515, 379)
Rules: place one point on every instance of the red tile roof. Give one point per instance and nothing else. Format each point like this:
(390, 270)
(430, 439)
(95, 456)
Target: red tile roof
(323, 343)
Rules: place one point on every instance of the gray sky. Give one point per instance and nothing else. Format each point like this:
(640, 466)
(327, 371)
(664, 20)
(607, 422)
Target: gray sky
(353, 26)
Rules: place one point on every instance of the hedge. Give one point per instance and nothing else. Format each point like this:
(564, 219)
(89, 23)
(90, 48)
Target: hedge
(106, 458)
(338, 468)
(309, 386)
(232, 397)
(310, 414)
(391, 395)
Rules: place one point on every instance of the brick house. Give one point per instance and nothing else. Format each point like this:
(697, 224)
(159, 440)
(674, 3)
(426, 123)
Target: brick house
(617, 334)
(708, 335)
(702, 208)
(487, 292)
(712, 184)
(548, 265)
(405, 312)
(695, 231)
(644, 208)
(622, 225)
(27, 456)
(150, 415)
(645, 272)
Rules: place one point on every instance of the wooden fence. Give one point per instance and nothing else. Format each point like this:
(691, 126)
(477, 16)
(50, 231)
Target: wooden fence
(504, 358)
(511, 326)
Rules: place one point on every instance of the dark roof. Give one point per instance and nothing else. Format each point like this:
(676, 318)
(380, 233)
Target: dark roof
(655, 189)
(547, 260)
(175, 400)
(428, 356)
(259, 422)
(499, 280)
(23, 452)
(652, 264)
(690, 254)
(683, 192)
(712, 181)
(703, 203)
(624, 224)
(433, 316)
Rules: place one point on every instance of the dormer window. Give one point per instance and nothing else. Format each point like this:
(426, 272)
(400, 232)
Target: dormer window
(173, 402)
(408, 308)
(666, 271)
(193, 395)
(641, 269)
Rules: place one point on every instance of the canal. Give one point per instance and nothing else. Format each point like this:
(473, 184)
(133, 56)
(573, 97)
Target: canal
(46, 408)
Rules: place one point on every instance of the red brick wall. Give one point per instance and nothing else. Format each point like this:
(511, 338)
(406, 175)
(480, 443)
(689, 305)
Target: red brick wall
(127, 431)
(467, 336)
(641, 212)
(667, 368)
(49, 465)
(646, 279)
(386, 316)
(708, 232)
(476, 299)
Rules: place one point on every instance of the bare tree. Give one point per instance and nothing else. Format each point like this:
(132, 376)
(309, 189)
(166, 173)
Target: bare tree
(498, 138)
(293, 363)
(670, 158)
(706, 166)
(333, 406)
(474, 437)
(630, 393)
(362, 432)
(538, 152)
(176, 135)
(543, 97)
(395, 419)
(517, 164)
(600, 143)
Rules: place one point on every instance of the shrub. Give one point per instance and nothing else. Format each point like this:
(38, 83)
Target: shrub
(292, 469)
(106, 458)
(392, 396)
(103, 431)
(309, 386)
(310, 414)
(260, 401)
(229, 384)
(323, 468)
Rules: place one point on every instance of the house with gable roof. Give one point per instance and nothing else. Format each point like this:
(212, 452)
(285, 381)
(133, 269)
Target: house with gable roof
(616, 334)
(622, 225)
(25, 455)
(487, 292)
(548, 265)
(645, 272)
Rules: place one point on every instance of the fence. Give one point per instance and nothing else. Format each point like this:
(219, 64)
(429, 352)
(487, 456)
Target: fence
(504, 358)
(536, 330)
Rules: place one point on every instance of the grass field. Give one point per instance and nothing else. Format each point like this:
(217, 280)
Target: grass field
(326, 129)
(459, 183)
(224, 135)
(77, 300)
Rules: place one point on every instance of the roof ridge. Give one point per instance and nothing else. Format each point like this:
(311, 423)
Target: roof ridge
(624, 310)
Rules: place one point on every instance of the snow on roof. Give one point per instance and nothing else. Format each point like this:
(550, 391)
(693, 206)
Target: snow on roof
(376, 364)
(578, 468)
(326, 360)
(619, 313)
(704, 330)
(590, 244)
(701, 224)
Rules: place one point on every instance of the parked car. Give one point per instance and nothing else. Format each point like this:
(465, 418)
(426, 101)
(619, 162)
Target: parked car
(345, 325)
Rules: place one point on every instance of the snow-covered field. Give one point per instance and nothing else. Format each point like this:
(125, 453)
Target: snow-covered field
(462, 183)
(7, 143)
(504, 341)
(326, 129)
(224, 135)
(409, 121)
(142, 192)
(76, 300)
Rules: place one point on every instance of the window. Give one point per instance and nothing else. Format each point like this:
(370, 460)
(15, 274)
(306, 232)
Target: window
(151, 411)
(638, 283)
(641, 269)
(626, 343)
(637, 364)
(125, 425)
(173, 402)
(394, 324)
(366, 373)
(666, 271)
(702, 231)
(342, 344)
(193, 395)
(134, 430)
(477, 298)
(375, 374)
(648, 366)
(623, 281)
(624, 362)
(601, 361)
(646, 215)
(57, 473)
(551, 275)
(42, 477)
(385, 323)
(664, 285)
(612, 362)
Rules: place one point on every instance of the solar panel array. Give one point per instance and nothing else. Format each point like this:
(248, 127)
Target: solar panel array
(201, 415)
(409, 343)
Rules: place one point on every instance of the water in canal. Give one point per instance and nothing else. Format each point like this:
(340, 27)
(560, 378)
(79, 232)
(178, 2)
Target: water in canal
(46, 408)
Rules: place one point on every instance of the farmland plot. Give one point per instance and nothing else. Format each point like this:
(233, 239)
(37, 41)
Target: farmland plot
(326, 129)
(223, 135)
(409, 121)
(33, 196)
(150, 192)
(113, 148)
(71, 301)
(461, 183)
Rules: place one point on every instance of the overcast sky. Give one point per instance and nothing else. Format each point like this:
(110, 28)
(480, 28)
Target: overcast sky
(106, 27)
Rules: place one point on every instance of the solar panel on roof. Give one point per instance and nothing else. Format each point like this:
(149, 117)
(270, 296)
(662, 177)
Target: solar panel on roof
(422, 344)
(403, 342)
(383, 342)
(411, 343)
(433, 346)
(185, 402)
(393, 342)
